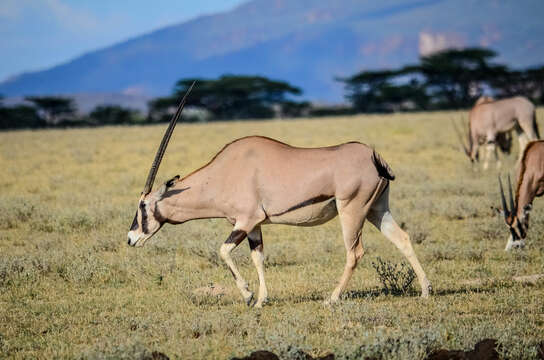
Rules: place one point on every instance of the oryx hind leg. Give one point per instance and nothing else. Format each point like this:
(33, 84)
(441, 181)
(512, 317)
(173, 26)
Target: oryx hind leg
(352, 216)
(235, 238)
(255, 239)
(526, 132)
(380, 216)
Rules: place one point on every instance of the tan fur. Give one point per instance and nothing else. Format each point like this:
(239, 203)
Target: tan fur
(484, 100)
(257, 180)
(489, 119)
(530, 184)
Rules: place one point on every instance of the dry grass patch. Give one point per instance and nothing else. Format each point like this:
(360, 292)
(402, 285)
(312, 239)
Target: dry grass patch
(71, 288)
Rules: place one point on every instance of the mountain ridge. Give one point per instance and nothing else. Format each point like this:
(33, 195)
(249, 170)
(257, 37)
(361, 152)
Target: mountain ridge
(307, 42)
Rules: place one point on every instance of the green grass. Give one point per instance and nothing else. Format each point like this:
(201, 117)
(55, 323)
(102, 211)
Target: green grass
(70, 287)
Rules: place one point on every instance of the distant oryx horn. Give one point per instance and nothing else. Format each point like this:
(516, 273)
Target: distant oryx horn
(503, 201)
(460, 137)
(512, 207)
(164, 143)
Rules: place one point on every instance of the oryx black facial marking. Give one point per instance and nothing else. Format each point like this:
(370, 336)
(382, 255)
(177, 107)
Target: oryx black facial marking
(236, 237)
(311, 201)
(134, 225)
(173, 192)
(521, 229)
(144, 218)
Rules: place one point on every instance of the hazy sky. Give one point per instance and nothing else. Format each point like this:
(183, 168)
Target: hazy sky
(37, 34)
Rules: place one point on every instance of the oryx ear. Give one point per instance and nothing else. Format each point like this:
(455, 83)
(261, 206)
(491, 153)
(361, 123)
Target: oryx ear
(171, 182)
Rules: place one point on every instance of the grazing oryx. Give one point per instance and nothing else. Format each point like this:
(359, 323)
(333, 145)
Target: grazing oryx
(257, 180)
(491, 122)
(530, 184)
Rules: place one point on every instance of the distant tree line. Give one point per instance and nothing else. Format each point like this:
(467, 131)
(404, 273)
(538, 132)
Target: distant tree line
(56, 111)
(225, 98)
(451, 79)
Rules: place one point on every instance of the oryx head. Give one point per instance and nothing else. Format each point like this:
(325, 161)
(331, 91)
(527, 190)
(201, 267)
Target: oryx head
(517, 222)
(148, 219)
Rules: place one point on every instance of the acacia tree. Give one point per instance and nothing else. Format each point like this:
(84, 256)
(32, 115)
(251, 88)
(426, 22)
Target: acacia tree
(53, 109)
(455, 78)
(386, 90)
(444, 80)
(230, 96)
(112, 114)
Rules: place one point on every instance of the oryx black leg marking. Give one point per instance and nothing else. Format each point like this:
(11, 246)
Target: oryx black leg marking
(255, 241)
(236, 237)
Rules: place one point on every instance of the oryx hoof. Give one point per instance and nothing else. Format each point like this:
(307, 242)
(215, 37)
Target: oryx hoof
(260, 303)
(249, 299)
(427, 291)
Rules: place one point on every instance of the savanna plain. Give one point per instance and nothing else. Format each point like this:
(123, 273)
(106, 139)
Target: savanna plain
(70, 287)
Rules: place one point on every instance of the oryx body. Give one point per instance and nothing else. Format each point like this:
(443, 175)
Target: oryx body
(257, 180)
(530, 184)
(490, 123)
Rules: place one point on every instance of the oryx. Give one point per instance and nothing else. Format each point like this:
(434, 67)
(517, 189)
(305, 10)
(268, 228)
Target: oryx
(530, 184)
(490, 122)
(256, 180)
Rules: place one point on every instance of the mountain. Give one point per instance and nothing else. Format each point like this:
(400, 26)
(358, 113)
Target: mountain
(306, 42)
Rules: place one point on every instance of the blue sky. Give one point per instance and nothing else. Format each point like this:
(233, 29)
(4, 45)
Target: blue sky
(37, 34)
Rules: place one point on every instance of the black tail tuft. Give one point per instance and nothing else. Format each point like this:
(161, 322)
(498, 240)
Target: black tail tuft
(383, 169)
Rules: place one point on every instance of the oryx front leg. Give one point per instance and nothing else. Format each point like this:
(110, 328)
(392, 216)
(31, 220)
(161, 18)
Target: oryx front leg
(255, 239)
(352, 223)
(235, 238)
(489, 149)
(497, 159)
(384, 221)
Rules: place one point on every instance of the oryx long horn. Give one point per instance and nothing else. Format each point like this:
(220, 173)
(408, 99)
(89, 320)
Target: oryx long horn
(503, 200)
(164, 143)
(460, 136)
(512, 207)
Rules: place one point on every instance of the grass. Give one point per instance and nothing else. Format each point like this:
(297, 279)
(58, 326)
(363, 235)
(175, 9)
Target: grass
(70, 287)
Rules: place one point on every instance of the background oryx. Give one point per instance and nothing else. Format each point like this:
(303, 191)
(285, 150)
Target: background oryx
(530, 184)
(490, 123)
(257, 180)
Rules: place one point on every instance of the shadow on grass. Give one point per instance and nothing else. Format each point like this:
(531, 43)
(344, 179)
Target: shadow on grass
(376, 292)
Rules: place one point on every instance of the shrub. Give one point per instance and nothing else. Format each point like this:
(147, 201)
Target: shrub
(396, 279)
